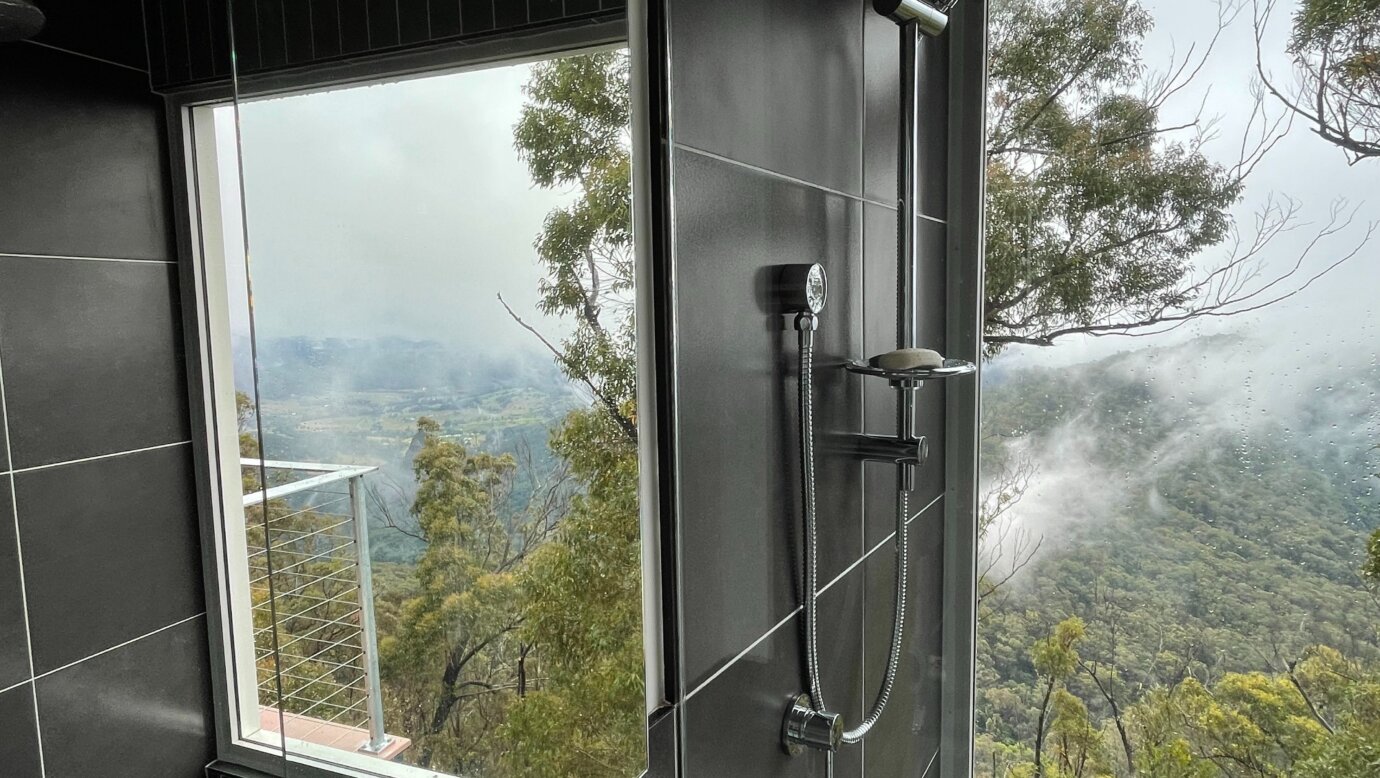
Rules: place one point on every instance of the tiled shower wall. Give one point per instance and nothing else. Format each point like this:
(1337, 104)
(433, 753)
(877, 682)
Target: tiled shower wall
(784, 121)
(103, 656)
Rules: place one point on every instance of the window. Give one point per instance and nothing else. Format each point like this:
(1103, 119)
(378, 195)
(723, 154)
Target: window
(1180, 419)
(424, 426)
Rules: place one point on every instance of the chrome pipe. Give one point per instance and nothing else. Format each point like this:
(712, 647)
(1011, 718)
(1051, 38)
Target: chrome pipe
(931, 20)
(378, 739)
(907, 230)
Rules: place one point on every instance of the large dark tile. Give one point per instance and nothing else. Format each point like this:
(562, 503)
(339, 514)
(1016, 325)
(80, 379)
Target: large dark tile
(907, 735)
(737, 364)
(110, 29)
(85, 171)
(776, 83)
(881, 117)
(110, 551)
(19, 755)
(14, 645)
(733, 725)
(141, 710)
(92, 358)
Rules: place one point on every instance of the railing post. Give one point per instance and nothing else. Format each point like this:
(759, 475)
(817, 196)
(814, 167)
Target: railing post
(369, 631)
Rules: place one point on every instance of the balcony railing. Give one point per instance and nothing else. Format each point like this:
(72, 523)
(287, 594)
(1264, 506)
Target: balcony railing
(316, 643)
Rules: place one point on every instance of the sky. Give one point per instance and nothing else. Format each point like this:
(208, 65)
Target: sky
(397, 209)
(1340, 311)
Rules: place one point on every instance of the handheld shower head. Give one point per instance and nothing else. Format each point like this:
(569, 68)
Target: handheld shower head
(19, 19)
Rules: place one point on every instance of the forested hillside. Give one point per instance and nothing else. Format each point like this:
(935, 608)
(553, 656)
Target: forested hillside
(1191, 534)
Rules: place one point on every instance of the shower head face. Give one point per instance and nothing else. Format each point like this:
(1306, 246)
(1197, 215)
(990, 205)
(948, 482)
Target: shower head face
(816, 289)
(19, 19)
(802, 288)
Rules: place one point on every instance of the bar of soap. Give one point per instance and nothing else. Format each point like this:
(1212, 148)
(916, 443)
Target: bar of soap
(908, 359)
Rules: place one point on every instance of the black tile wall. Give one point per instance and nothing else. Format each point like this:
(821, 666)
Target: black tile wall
(88, 167)
(275, 34)
(137, 544)
(91, 370)
(737, 363)
(784, 130)
(14, 647)
(136, 711)
(19, 747)
(92, 358)
(733, 725)
(774, 83)
(906, 739)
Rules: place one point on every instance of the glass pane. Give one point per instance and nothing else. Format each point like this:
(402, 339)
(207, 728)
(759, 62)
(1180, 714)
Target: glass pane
(440, 377)
(1180, 418)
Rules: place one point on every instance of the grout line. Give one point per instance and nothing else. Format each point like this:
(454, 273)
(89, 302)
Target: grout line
(875, 548)
(19, 470)
(933, 757)
(24, 682)
(799, 608)
(19, 560)
(797, 181)
(102, 60)
(742, 653)
(118, 646)
(6, 255)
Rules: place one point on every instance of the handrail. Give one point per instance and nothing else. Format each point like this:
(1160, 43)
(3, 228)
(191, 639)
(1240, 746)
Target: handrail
(353, 477)
(329, 474)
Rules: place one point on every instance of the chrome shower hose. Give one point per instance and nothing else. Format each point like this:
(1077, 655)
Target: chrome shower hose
(811, 593)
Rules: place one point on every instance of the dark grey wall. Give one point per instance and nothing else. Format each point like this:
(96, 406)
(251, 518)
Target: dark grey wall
(103, 655)
(189, 40)
(784, 142)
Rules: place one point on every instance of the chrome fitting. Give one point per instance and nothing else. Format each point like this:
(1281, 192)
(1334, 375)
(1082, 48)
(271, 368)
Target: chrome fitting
(806, 727)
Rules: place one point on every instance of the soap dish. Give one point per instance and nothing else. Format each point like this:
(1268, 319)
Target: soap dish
(912, 377)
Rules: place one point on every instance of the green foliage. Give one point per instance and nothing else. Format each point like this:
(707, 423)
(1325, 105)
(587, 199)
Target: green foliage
(1204, 597)
(581, 592)
(516, 648)
(1094, 210)
(1336, 47)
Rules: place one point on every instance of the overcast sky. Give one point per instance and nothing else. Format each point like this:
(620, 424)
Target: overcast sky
(392, 210)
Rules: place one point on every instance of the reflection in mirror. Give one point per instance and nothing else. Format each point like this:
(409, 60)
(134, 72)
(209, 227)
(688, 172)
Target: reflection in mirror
(436, 443)
(1180, 424)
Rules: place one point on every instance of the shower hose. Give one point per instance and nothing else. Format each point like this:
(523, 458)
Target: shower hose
(807, 457)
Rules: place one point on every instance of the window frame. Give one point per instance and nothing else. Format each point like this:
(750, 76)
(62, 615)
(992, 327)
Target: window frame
(196, 208)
